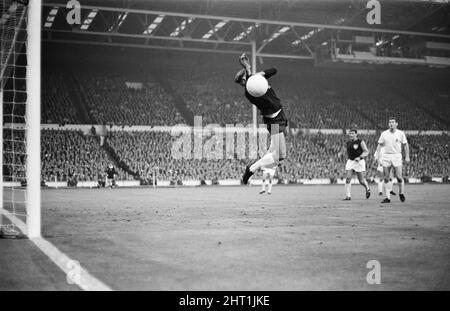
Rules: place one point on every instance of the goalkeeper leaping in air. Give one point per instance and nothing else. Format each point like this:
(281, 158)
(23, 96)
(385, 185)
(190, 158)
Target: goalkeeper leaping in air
(273, 115)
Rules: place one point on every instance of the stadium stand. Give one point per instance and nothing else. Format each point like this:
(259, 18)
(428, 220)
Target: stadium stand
(111, 101)
(314, 98)
(310, 156)
(73, 156)
(57, 105)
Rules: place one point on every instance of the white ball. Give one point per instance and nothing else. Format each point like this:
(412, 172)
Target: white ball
(257, 85)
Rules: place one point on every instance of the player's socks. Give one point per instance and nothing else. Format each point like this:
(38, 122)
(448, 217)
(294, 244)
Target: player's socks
(263, 189)
(269, 188)
(380, 187)
(247, 175)
(401, 187)
(266, 160)
(388, 189)
(348, 191)
(391, 186)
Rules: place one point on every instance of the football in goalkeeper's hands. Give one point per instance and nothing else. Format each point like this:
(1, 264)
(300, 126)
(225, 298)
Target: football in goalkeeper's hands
(257, 85)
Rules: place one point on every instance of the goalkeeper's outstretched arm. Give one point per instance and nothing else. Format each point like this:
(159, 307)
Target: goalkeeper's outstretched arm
(245, 63)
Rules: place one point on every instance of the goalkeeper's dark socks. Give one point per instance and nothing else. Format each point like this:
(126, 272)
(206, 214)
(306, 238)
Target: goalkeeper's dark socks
(247, 175)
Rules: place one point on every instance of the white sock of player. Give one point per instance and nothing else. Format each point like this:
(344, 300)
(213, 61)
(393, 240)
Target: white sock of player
(380, 186)
(269, 186)
(388, 189)
(263, 185)
(266, 160)
(391, 185)
(348, 188)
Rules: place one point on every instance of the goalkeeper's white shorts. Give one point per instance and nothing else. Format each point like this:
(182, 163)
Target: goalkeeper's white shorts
(268, 172)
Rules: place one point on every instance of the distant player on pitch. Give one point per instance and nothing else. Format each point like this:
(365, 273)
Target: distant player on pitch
(392, 141)
(268, 174)
(110, 180)
(273, 116)
(356, 152)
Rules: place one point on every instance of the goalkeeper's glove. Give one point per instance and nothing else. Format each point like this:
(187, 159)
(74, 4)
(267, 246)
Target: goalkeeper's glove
(245, 63)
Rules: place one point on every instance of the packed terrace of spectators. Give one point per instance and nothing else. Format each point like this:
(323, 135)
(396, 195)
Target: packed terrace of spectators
(313, 98)
(70, 155)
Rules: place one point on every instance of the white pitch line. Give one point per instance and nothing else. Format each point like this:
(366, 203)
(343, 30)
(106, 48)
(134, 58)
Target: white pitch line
(86, 281)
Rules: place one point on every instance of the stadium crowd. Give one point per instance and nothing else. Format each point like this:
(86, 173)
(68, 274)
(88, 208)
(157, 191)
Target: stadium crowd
(70, 155)
(316, 99)
(313, 98)
(149, 153)
(111, 101)
(216, 99)
(309, 156)
(57, 106)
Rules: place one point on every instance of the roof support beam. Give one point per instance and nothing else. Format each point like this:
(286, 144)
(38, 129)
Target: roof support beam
(265, 21)
(302, 42)
(125, 35)
(146, 46)
(267, 41)
(159, 47)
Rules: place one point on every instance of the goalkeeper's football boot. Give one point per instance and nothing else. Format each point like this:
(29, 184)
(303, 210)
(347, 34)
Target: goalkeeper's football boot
(347, 199)
(386, 200)
(402, 197)
(367, 193)
(393, 193)
(247, 175)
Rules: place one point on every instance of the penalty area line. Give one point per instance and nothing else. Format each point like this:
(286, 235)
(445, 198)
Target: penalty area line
(85, 281)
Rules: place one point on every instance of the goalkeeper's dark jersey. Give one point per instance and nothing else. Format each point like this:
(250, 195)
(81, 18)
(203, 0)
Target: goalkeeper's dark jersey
(269, 103)
(110, 172)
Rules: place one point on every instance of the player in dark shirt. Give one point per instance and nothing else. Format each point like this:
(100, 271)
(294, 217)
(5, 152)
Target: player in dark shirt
(356, 152)
(110, 180)
(273, 116)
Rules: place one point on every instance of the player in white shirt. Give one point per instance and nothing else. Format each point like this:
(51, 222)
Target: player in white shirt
(268, 173)
(392, 141)
(380, 176)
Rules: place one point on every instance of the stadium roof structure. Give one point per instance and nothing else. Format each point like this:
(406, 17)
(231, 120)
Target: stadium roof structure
(284, 28)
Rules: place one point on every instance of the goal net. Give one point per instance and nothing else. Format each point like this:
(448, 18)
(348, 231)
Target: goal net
(20, 131)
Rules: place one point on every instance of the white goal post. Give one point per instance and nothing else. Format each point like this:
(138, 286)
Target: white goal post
(33, 119)
(22, 129)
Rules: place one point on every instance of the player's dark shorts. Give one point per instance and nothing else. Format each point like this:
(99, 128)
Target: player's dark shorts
(280, 119)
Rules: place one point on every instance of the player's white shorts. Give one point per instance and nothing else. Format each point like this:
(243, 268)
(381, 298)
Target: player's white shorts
(391, 159)
(357, 166)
